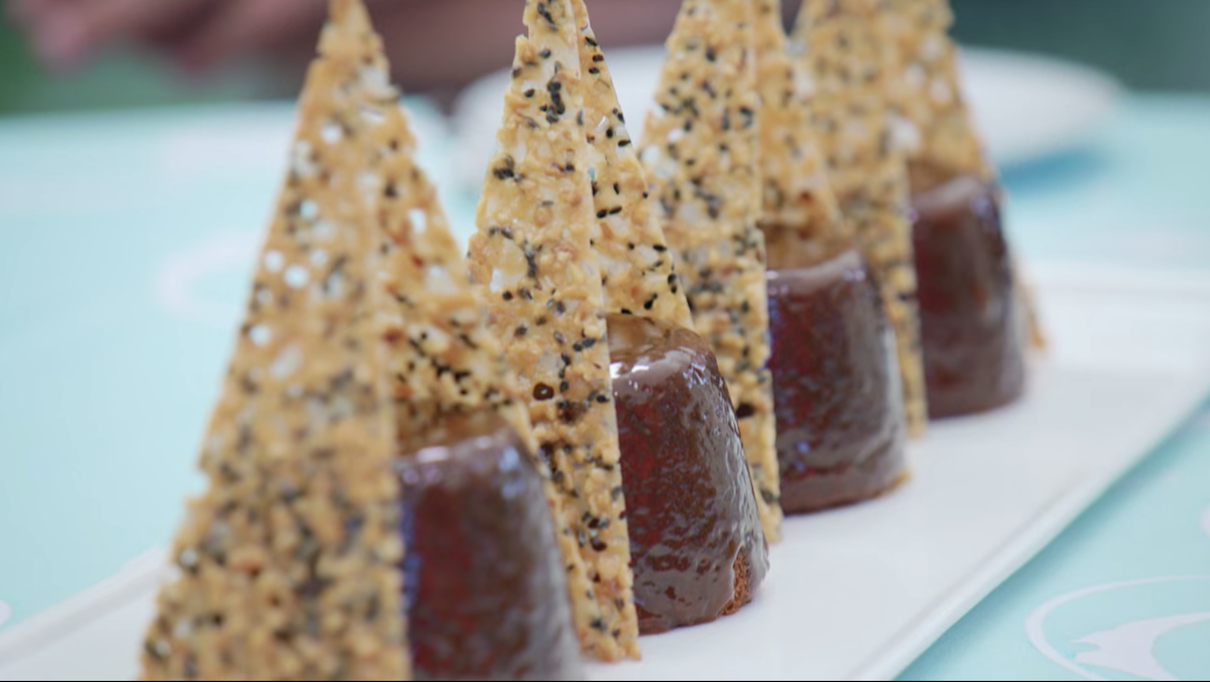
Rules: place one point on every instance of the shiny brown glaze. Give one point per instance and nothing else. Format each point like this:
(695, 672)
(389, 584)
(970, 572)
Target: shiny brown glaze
(696, 543)
(974, 347)
(840, 433)
(487, 597)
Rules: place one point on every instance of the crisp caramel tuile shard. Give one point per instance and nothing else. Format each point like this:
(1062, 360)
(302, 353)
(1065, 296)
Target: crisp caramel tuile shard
(700, 148)
(534, 262)
(289, 561)
(926, 91)
(801, 220)
(638, 269)
(443, 357)
(1027, 295)
(940, 134)
(849, 53)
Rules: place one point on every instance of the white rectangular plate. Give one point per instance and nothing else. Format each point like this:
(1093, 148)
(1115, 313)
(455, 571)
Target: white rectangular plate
(859, 593)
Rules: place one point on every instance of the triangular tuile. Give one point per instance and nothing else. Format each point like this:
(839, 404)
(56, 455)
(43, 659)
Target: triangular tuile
(443, 357)
(927, 92)
(941, 138)
(802, 221)
(852, 60)
(640, 273)
(534, 261)
(289, 562)
(700, 148)
(1027, 295)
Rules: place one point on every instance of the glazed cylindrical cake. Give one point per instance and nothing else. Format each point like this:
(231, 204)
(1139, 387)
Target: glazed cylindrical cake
(972, 329)
(485, 586)
(696, 543)
(840, 423)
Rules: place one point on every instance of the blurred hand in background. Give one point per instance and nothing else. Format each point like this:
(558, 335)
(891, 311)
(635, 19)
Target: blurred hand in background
(198, 33)
(437, 46)
(433, 44)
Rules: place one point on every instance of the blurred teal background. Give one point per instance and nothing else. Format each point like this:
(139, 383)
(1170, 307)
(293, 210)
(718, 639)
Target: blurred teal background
(1148, 44)
(119, 79)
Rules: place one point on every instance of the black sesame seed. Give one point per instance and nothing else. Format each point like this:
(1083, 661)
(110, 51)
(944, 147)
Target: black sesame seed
(569, 412)
(531, 259)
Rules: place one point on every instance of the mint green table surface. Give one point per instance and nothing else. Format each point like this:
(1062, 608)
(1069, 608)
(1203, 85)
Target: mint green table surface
(124, 242)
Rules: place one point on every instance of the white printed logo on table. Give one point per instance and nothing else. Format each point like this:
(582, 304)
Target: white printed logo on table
(203, 283)
(1150, 629)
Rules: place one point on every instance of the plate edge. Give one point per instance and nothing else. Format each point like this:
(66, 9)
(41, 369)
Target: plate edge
(1026, 545)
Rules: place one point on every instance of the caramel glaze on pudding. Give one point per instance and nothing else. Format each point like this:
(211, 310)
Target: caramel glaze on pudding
(971, 324)
(486, 592)
(696, 543)
(838, 396)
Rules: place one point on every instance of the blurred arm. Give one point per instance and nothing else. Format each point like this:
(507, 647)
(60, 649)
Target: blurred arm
(442, 44)
(434, 45)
